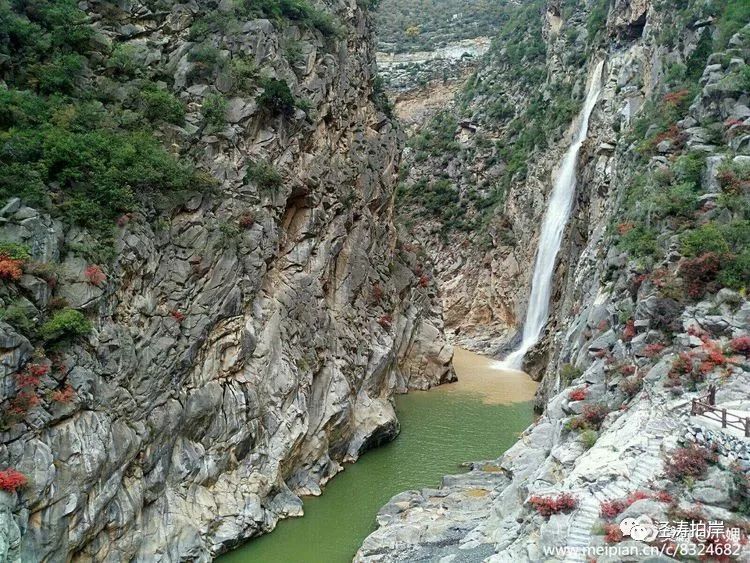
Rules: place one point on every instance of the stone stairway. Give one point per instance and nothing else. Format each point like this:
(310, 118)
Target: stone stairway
(579, 532)
(650, 466)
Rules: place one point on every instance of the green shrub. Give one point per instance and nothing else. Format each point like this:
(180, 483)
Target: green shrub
(735, 273)
(215, 110)
(263, 174)
(298, 11)
(734, 17)
(205, 54)
(679, 200)
(123, 60)
(244, 73)
(676, 74)
(229, 233)
(66, 324)
(597, 17)
(59, 75)
(18, 317)
(639, 242)
(696, 61)
(380, 98)
(214, 22)
(15, 250)
(689, 167)
(276, 98)
(160, 105)
(704, 239)
(589, 438)
(568, 372)
(301, 11)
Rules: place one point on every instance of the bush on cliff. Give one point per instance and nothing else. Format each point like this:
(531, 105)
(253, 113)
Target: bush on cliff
(549, 505)
(688, 463)
(11, 480)
(66, 324)
(276, 98)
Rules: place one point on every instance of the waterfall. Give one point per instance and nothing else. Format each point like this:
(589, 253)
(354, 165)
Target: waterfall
(555, 220)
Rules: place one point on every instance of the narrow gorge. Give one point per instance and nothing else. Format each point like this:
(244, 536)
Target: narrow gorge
(248, 246)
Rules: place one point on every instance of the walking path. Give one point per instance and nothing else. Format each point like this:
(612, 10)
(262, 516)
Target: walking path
(589, 500)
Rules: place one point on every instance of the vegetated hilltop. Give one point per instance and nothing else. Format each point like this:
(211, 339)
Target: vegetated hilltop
(424, 25)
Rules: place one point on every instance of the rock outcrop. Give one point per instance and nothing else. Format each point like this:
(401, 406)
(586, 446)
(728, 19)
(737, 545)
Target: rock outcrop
(246, 341)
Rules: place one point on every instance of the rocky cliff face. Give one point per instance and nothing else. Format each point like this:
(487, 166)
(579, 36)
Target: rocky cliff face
(644, 317)
(247, 340)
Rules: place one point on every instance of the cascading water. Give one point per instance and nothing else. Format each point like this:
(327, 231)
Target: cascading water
(555, 220)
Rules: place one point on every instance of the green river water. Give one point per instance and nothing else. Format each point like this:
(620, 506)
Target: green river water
(475, 419)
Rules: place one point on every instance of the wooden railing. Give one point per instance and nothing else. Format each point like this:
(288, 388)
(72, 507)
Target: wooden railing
(705, 406)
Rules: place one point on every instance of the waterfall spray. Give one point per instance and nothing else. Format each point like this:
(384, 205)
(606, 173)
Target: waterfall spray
(555, 220)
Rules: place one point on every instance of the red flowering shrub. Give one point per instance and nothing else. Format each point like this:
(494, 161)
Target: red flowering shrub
(546, 506)
(612, 533)
(177, 315)
(711, 357)
(625, 227)
(95, 275)
(673, 134)
(12, 480)
(424, 280)
(23, 402)
(741, 345)
(594, 415)
(30, 377)
(687, 462)
(729, 181)
(682, 366)
(733, 122)
(637, 495)
(629, 331)
(612, 508)
(627, 369)
(676, 97)
(578, 394)
(10, 268)
(64, 395)
(247, 220)
(664, 496)
(631, 386)
(385, 321)
(699, 273)
(694, 330)
(715, 355)
(590, 418)
(37, 370)
(377, 292)
(653, 350)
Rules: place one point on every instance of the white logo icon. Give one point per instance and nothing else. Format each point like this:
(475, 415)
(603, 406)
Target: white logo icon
(640, 529)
